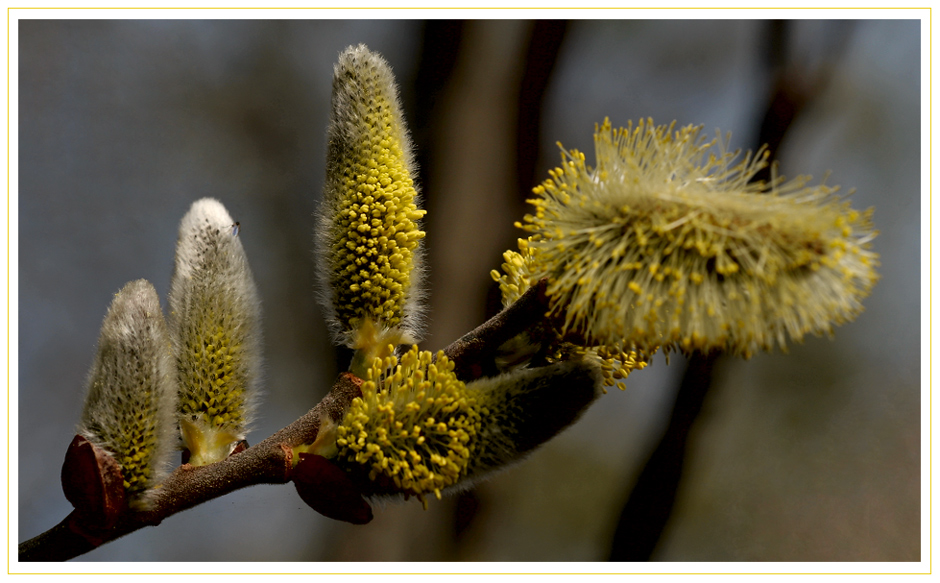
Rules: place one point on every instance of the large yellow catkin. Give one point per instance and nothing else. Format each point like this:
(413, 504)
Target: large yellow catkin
(418, 430)
(667, 242)
(130, 402)
(369, 254)
(215, 320)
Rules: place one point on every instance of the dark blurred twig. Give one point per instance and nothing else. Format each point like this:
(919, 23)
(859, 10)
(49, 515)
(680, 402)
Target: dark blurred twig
(545, 42)
(649, 506)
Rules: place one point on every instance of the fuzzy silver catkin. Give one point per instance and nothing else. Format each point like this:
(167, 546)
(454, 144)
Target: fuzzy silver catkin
(526, 408)
(130, 402)
(215, 320)
(369, 253)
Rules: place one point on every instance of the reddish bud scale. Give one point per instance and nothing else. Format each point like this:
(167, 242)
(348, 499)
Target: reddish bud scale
(92, 481)
(328, 490)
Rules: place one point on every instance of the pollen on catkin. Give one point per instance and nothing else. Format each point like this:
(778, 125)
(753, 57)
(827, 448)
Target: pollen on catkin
(667, 242)
(417, 429)
(130, 400)
(368, 239)
(215, 320)
(615, 361)
(414, 427)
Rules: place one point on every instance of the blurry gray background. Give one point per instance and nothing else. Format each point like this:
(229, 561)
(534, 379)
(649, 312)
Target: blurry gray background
(811, 455)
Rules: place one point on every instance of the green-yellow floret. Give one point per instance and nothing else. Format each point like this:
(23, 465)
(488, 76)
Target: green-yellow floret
(370, 218)
(414, 426)
(213, 404)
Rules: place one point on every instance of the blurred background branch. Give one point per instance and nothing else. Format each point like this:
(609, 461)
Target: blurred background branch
(650, 504)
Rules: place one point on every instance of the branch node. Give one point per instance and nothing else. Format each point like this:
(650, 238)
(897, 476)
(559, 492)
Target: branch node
(288, 461)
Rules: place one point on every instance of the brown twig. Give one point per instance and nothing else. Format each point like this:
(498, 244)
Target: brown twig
(271, 461)
(476, 347)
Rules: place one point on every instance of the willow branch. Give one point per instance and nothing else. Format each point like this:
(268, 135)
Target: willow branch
(481, 344)
(271, 461)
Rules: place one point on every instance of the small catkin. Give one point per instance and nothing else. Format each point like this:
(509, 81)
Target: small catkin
(369, 235)
(131, 397)
(215, 320)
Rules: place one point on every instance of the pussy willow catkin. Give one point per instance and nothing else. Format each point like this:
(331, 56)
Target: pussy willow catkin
(130, 403)
(418, 430)
(667, 242)
(369, 236)
(215, 320)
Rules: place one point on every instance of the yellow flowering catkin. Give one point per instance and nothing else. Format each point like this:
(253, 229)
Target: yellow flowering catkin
(667, 242)
(369, 235)
(414, 426)
(419, 430)
(131, 396)
(215, 318)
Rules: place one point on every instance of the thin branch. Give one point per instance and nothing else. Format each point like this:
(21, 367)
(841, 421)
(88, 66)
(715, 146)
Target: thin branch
(271, 461)
(480, 345)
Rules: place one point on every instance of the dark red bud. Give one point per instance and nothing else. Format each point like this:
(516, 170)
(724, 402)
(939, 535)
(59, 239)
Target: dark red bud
(327, 489)
(93, 483)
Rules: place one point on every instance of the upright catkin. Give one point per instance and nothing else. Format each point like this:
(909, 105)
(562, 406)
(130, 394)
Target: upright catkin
(369, 236)
(130, 401)
(215, 320)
